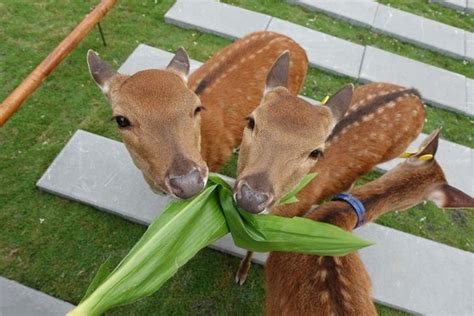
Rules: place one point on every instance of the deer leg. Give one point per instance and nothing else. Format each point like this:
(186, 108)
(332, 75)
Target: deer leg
(244, 268)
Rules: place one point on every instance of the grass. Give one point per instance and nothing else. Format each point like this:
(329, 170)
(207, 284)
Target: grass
(435, 12)
(56, 245)
(356, 34)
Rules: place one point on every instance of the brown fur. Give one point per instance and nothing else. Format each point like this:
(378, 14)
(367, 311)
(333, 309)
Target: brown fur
(161, 106)
(299, 284)
(238, 74)
(352, 151)
(360, 147)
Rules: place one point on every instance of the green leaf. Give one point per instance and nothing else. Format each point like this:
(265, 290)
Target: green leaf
(290, 197)
(100, 276)
(185, 227)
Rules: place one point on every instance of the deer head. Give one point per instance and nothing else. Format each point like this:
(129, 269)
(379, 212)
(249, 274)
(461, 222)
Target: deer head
(417, 179)
(159, 120)
(283, 139)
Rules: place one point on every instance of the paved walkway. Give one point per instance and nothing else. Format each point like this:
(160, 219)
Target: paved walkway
(19, 300)
(330, 53)
(408, 272)
(399, 24)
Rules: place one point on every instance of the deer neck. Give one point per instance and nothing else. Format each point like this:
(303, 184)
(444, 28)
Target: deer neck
(391, 192)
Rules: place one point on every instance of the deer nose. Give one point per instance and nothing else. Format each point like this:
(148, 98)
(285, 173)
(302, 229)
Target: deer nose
(187, 185)
(251, 200)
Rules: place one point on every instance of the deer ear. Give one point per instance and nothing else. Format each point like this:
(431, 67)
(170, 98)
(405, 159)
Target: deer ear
(100, 71)
(339, 103)
(278, 74)
(430, 145)
(180, 63)
(446, 196)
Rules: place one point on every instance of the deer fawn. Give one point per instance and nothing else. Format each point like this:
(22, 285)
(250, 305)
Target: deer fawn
(159, 112)
(286, 137)
(299, 284)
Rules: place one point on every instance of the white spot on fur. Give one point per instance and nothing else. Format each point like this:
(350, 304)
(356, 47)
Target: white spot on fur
(322, 274)
(345, 294)
(324, 297)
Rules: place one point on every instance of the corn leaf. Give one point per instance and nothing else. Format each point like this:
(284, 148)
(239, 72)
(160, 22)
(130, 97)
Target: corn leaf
(273, 233)
(290, 197)
(185, 227)
(100, 276)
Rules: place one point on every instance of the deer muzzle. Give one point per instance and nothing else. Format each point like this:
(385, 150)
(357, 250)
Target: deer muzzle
(251, 200)
(187, 185)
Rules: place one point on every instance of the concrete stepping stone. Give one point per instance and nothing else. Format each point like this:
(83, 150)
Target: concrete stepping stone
(456, 159)
(420, 31)
(439, 87)
(406, 26)
(335, 55)
(359, 12)
(408, 272)
(470, 45)
(19, 300)
(233, 22)
(324, 51)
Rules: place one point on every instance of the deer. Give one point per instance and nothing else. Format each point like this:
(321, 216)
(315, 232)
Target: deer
(299, 284)
(177, 126)
(286, 138)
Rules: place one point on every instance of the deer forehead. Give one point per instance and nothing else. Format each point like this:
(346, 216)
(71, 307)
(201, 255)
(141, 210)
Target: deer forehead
(156, 92)
(294, 118)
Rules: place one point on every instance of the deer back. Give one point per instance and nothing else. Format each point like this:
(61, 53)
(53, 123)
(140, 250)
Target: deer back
(382, 121)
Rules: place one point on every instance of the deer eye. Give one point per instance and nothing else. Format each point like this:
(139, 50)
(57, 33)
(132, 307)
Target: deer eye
(250, 123)
(122, 121)
(315, 154)
(198, 110)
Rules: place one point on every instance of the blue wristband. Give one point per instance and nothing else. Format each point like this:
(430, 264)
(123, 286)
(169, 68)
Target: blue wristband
(356, 205)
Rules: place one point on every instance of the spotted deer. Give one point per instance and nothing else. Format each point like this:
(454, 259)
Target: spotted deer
(299, 284)
(286, 137)
(177, 126)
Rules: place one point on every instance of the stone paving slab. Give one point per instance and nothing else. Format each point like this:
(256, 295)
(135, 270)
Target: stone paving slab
(324, 51)
(420, 31)
(470, 94)
(439, 87)
(19, 300)
(148, 57)
(408, 272)
(470, 45)
(396, 23)
(342, 57)
(455, 159)
(359, 12)
(230, 21)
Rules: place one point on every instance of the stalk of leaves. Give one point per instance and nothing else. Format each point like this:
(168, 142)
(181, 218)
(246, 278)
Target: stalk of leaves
(185, 227)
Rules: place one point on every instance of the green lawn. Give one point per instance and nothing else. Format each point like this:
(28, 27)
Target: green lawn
(56, 245)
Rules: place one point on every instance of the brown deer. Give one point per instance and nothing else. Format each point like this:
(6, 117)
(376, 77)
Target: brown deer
(160, 112)
(299, 284)
(286, 137)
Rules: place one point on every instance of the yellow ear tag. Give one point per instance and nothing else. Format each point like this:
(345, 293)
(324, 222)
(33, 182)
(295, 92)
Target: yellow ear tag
(426, 157)
(407, 155)
(326, 98)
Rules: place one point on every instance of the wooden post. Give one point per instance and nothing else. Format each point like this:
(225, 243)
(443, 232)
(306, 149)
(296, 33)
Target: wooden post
(36, 77)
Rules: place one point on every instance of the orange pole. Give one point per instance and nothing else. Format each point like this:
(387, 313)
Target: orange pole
(41, 72)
